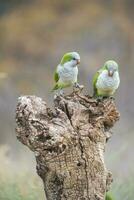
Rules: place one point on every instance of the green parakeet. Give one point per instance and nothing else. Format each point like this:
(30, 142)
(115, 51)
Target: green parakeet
(106, 81)
(67, 71)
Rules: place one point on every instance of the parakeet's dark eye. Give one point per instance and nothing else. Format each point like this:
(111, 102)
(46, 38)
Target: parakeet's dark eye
(74, 58)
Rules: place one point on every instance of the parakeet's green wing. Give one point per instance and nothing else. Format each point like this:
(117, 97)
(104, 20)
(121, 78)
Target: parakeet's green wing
(95, 78)
(56, 75)
(56, 78)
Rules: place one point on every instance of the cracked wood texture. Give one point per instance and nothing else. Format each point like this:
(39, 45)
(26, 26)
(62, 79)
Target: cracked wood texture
(68, 143)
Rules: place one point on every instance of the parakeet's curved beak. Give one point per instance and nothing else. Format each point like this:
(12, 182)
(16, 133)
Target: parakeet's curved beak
(110, 72)
(78, 61)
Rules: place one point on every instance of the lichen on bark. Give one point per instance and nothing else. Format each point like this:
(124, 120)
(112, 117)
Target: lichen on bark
(68, 143)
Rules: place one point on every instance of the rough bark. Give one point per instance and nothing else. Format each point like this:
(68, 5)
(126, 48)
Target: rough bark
(68, 143)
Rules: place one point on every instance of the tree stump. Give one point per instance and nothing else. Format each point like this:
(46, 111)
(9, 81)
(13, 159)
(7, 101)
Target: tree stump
(68, 143)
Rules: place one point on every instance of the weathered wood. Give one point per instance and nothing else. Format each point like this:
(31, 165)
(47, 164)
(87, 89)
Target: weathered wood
(68, 143)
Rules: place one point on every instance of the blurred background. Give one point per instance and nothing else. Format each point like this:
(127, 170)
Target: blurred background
(34, 35)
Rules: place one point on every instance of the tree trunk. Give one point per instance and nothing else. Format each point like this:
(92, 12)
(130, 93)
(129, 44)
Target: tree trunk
(68, 143)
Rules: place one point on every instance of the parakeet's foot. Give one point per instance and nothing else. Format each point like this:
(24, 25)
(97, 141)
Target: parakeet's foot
(81, 87)
(106, 97)
(99, 98)
(77, 87)
(112, 97)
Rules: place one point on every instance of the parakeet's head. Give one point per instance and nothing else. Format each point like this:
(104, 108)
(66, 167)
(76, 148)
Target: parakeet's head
(71, 58)
(111, 66)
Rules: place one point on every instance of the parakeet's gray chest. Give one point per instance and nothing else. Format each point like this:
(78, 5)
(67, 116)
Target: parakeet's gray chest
(68, 74)
(108, 83)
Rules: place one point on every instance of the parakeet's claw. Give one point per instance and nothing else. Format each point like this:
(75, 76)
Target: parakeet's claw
(81, 87)
(112, 97)
(77, 87)
(99, 98)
